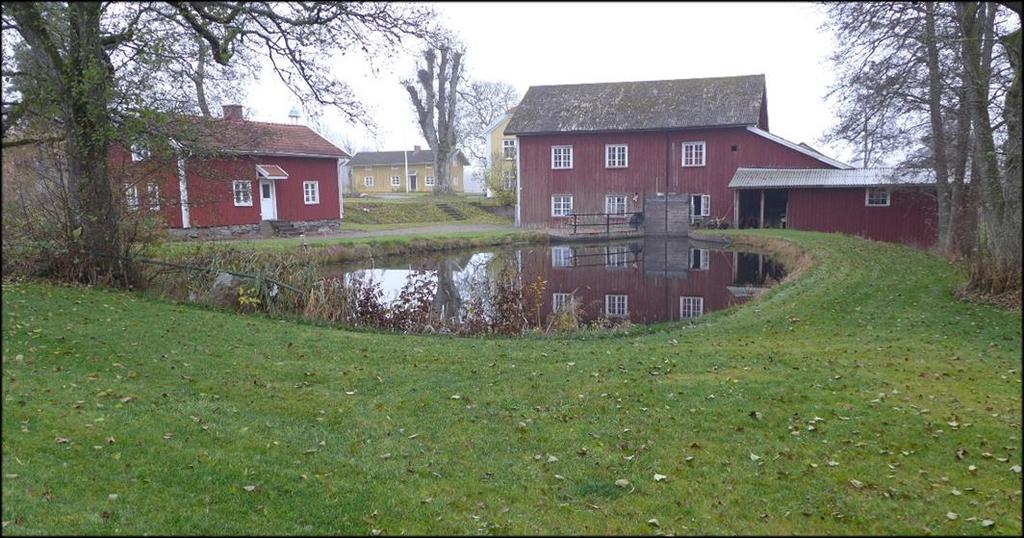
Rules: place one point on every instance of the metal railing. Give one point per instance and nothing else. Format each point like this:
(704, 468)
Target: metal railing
(633, 220)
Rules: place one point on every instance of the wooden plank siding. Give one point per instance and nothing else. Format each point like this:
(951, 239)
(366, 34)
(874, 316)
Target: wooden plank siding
(210, 195)
(654, 165)
(910, 217)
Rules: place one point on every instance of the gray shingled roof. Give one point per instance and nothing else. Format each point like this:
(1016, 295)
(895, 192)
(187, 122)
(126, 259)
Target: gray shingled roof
(761, 178)
(637, 106)
(385, 158)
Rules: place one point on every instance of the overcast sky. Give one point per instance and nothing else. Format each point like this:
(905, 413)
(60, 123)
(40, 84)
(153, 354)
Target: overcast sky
(544, 43)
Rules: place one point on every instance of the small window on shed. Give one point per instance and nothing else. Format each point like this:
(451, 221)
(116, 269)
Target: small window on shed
(876, 198)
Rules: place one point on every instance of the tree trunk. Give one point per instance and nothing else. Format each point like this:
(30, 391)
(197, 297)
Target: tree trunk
(999, 267)
(938, 131)
(88, 132)
(199, 79)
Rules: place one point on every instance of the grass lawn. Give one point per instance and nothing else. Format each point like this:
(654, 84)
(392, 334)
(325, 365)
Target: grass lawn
(857, 398)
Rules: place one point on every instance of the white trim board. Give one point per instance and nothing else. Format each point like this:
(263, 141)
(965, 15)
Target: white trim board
(797, 147)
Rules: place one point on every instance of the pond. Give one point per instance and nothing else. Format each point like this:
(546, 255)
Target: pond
(644, 280)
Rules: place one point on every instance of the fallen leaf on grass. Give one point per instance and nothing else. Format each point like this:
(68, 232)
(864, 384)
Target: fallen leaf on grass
(856, 483)
(659, 477)
(249, 488)
(952, 516)
(622, 483)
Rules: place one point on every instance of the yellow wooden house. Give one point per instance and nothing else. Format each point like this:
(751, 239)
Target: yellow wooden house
(375, 172)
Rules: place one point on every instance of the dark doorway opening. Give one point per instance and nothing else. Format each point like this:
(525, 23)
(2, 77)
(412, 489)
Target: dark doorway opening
(775, 204)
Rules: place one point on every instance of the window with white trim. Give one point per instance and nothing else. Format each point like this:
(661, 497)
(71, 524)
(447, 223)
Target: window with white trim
(561, 256)
(243, 192)
(616, 156)
(153, 196)
(699, 260)
(616, 306)
(428, 181)
(690, 307)
(508, 148)
(561, 205)
(131, 197)
(509, 177)
(876, 198)
(561, 302)
(700, 205)
(368, 181)
(311, 192)
(617, 256)
(561, 157)
(693, 154)
(615, 204)
(396, 181)
(139, 152)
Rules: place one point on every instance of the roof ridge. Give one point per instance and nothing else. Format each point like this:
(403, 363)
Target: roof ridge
(647, 81)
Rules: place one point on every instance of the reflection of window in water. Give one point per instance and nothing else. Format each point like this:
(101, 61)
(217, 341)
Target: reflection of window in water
(699, 259)
(616, 256)
(561, 256)
(690, 307)
(561, 301)
(616, 306)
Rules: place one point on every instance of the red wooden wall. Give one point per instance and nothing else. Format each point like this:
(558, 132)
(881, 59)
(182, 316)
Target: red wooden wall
(910, 217)
(653, 157)
(211, 200)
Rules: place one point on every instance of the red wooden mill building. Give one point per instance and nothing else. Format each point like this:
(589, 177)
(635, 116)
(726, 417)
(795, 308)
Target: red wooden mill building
(601, 148)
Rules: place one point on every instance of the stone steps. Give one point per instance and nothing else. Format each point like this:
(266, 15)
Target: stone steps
(284, 228)
(455, 214)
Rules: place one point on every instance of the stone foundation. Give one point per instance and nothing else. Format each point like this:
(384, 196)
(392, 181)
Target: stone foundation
(235, 231)
(324, 226)
(252, 231)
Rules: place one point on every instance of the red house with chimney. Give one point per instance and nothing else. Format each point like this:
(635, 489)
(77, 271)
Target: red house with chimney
(231, 177)
(604, 148)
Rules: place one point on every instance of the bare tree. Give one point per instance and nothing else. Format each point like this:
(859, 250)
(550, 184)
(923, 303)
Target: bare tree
(483, 102)
(437, 107)
(932, 79)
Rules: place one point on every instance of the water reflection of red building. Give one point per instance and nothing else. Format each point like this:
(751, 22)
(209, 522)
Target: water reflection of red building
(661, 280)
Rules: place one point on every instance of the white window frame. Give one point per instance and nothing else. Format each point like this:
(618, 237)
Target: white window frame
(612, 160)
(506, 145)
(560, 163)
(561, 256)
(306, 198)
(139, 152)
(690, 306)
(131, 197)
(153, 196)
(608, 204)
(396, 181)
(702, 258)
(567, 211)
(705, 206)
(867, 197)
(694, 161)
(608, 303)
(616, 257)
(428, 181)
(559, 301)
(243, 187)
(367, 181)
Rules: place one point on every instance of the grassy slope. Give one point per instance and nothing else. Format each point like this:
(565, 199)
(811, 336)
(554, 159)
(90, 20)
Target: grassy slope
(870, 333)
(414, 210)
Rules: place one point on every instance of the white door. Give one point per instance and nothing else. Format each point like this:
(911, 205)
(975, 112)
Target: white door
(268, 200)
